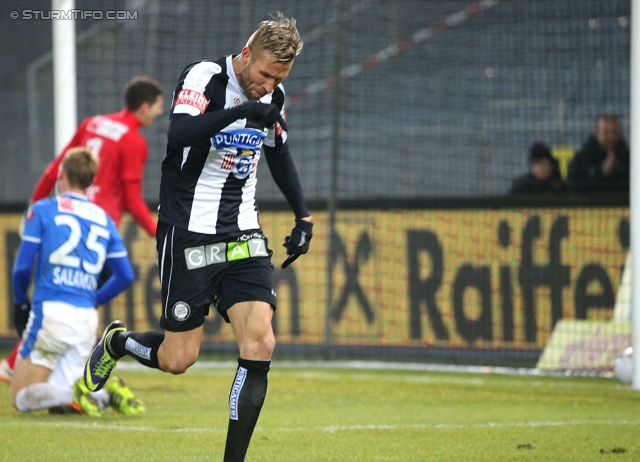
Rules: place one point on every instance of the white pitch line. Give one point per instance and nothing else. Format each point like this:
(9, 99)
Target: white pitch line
(438, 379)
(480, 425)
(386, 366)
(326, 429)
(102, 427)
(320, 368)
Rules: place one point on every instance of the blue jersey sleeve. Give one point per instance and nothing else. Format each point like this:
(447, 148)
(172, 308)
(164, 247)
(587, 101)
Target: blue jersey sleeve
(115, 246)
(31, 243)
(122, 276)
(120, 266)
(22, 270)
(33, 227)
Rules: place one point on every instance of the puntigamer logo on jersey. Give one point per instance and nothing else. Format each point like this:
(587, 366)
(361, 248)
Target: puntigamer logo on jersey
(243, 138)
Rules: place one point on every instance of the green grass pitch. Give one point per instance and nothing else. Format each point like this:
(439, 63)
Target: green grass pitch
(324, 414)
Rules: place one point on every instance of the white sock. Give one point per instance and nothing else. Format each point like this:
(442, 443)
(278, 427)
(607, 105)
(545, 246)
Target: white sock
(102, 397)
(42, 396)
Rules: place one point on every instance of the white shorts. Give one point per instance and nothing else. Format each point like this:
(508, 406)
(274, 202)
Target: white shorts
(60, 337)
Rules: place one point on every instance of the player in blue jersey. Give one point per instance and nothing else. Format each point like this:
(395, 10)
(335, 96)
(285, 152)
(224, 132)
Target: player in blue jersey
(70, 240)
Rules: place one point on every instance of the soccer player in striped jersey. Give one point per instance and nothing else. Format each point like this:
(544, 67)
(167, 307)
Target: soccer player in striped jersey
(225, 114)
(69, 239)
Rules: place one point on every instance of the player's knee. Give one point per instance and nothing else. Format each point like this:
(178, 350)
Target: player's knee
(178, 364)
(270, 344)
(265, 346)
(260, 348)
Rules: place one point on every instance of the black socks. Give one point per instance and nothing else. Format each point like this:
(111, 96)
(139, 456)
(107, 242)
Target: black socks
(245, 402)
(143, 346)
(245, 399)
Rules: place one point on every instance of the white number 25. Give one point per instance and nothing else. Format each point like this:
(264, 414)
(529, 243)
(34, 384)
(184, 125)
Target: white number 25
(61, 256)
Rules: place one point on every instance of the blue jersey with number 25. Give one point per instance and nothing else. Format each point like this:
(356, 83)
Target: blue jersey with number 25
(76, 237)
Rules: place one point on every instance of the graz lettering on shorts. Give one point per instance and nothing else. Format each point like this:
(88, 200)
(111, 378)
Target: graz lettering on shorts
(241, 375)
(246, 138)
(201, 256)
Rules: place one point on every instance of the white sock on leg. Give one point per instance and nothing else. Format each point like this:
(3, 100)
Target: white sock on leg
(102, 397)
(42, 396)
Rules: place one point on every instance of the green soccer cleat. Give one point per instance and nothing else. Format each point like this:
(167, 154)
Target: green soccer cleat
(101, 363)
(122, 398)
(83, 402)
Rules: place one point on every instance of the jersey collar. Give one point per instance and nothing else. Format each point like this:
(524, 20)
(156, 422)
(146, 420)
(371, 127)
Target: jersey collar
(232, 76)
(75, 196)
(129, 118)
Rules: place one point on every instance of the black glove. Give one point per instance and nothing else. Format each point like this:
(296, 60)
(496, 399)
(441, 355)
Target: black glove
(21, 316)
(298, 243)
(263, 115)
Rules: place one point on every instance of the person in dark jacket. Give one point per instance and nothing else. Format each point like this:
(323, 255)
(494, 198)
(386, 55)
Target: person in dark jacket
(602, 163)
(544, 173)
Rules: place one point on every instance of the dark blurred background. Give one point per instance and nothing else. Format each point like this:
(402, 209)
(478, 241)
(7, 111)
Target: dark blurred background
(450, 113)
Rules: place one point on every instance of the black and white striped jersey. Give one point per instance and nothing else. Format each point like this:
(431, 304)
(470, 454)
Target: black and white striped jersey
(209, 187)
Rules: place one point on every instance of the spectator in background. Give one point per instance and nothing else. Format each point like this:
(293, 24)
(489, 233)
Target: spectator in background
(602, 163)
(543, 176)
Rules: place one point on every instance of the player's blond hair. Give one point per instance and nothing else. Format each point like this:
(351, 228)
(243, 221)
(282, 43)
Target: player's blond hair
(279, 37)
(80, 164)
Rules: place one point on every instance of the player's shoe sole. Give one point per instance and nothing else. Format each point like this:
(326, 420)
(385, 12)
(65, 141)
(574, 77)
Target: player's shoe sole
(83, 401)
(101, 363)
(6, 374)
(122, 398)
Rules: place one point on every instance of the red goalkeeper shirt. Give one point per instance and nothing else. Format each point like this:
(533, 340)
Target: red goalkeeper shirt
(118, 184)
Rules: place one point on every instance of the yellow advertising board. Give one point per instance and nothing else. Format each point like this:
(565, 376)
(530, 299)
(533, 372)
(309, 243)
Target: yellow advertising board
(477, 278)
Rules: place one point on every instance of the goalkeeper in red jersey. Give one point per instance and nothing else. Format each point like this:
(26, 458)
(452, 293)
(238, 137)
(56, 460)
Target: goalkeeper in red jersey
(123, 153)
